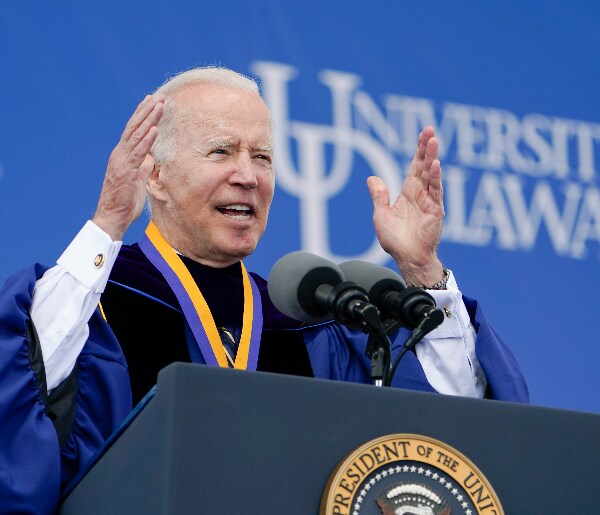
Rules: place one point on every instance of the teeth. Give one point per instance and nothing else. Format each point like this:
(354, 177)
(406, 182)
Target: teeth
(244, 211)
(237, 207)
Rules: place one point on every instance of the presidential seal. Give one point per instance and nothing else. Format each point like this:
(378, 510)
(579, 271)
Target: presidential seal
(407, 474)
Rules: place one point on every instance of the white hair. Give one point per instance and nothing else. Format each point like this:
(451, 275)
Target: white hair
(163, 148)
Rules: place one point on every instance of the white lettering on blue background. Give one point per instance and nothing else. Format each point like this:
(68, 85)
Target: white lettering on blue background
(507, 178)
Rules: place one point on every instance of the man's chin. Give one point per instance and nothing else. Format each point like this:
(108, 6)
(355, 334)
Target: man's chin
(240, 250)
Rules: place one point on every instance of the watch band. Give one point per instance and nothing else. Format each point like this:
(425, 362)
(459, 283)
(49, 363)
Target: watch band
(440, 285)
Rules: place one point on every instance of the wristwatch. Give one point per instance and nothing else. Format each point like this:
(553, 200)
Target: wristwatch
(440, 285)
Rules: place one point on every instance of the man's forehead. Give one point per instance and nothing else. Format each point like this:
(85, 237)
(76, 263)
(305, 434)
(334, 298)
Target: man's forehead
(223, 109)
(213, 97)
(233, 120)
(230, 130)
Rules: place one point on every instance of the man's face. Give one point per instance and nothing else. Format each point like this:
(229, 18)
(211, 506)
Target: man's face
(212, 200)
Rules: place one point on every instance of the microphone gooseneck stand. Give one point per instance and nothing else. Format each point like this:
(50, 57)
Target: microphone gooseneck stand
(350, 306)
(414, 308)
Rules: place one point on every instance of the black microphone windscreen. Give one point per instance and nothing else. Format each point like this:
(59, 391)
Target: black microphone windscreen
(373, 278)
(294, 280)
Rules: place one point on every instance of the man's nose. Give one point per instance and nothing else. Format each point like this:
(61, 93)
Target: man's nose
(244, 172)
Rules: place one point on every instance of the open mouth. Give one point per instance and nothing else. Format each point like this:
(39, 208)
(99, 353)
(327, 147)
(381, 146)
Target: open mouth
(237, 211)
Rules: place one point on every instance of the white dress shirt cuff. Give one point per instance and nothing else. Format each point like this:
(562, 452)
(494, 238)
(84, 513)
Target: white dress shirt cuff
(90, 257)
(447, 354)
(455, 312)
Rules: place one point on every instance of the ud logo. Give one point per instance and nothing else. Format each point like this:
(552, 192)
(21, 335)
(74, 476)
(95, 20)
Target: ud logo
(312, 181)
(508, 180)
(407, 474)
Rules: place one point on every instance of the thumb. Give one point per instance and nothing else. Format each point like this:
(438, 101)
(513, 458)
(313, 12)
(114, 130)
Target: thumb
(146, 168)
(380, 194)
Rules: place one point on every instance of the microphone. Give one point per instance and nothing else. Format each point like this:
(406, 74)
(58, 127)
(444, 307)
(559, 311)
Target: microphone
(412, 307)
(387, 290)
(312, 289)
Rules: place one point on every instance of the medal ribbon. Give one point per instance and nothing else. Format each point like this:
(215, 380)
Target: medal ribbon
(196, 310)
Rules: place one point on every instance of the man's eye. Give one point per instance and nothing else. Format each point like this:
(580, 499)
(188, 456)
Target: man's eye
(219, 151)
(265, 157)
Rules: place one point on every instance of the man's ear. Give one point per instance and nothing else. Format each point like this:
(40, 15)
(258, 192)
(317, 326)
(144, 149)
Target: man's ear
(154, 185)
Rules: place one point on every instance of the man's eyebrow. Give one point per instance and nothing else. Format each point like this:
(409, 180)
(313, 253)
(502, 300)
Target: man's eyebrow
(263, 148)
(225, 143)
(220, 143)
(209, 145)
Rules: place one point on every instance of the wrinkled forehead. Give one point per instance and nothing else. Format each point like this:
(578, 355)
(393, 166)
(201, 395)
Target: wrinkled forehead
(221, 110)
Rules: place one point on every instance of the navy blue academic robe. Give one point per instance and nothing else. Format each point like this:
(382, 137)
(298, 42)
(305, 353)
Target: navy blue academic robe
(43, 444)
(37, 457)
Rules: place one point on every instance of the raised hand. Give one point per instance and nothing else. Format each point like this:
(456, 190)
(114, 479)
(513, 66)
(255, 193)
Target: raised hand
(130, 163)
(410, 228)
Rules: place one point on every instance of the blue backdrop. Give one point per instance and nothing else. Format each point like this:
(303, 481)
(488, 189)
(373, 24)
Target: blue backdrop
(510, 86)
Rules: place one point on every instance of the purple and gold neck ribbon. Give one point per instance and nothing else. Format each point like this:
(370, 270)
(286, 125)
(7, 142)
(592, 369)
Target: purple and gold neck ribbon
(196, 310)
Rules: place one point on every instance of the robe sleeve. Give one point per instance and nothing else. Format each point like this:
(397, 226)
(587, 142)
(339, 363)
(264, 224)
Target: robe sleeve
(504, 376)
(338, 353)
(29, 448)
(45, 440)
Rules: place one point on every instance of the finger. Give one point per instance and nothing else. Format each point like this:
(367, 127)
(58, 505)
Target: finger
(146, 169)
(436, 190)
(422, 140)
(145, 107)
(380, 194)
(141, 132)
(142, 149)
(421, 151)
(138, 115)
(431, 154)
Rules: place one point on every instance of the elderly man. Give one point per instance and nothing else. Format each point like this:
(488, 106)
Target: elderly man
(200, 148)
